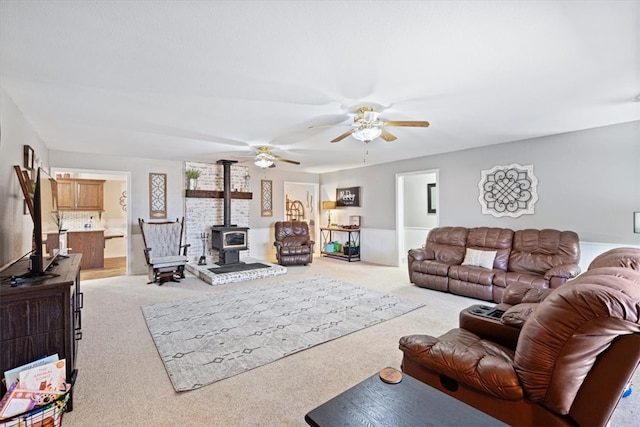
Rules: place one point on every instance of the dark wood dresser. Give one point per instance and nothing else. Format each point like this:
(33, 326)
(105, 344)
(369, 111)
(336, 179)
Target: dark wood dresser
(41, 316)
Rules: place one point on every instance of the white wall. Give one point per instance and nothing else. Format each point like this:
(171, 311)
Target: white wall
(16, 228)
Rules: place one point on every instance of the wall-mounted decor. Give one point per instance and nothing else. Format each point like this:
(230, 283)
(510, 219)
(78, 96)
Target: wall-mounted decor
(28, 161)
(508, 190)
(157, 195)
(123, 201)
(266, 200)
(431, 198)
(348, 196)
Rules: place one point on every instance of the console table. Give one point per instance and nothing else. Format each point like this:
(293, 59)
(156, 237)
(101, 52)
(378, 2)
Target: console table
(41, 316)
(329, 234)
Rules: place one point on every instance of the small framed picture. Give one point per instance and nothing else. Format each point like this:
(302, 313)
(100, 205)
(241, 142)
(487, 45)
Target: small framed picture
(431, 198)
(348, 196)
(28, 158)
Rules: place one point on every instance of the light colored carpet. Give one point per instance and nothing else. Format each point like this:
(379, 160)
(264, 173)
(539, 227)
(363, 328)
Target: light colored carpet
(208, 338)
(123, 382)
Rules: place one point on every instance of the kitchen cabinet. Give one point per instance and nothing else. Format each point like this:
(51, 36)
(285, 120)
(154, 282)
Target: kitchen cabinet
(90, 244)
(80, 194)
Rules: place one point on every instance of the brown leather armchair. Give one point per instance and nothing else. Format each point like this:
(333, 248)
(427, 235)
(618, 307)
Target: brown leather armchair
(293, 244)
(575, 355)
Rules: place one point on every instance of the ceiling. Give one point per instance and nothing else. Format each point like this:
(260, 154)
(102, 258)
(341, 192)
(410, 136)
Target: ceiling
(204, 80)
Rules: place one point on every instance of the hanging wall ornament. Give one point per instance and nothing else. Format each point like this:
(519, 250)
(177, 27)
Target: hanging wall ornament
(508, 190)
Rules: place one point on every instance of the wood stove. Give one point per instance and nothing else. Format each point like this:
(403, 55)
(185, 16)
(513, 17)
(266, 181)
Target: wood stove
(228, 239)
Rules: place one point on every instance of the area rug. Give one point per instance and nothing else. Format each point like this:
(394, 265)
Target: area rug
(237, 267)
(211, 337)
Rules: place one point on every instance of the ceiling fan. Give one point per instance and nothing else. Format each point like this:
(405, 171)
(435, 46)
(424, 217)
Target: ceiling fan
(367, 126)
(265, 159)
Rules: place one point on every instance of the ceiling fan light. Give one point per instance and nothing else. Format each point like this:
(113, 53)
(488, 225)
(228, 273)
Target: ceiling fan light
(263, 161)
(367, 133)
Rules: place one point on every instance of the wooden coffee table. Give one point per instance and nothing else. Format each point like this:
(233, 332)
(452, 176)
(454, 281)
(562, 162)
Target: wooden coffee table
(408, 403)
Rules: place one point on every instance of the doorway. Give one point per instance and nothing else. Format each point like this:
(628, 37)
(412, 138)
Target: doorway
(417, 212)
(114, 219)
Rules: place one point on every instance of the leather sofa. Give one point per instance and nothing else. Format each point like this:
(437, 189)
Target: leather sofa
(449, 260)
(575, 355)
(293, 244)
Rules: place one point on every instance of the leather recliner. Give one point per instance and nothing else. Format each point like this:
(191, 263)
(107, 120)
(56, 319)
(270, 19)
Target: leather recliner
(293, 243)
(520, 300)
(573, 359)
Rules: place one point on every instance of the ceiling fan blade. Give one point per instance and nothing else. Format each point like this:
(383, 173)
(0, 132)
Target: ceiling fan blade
(387, 136)
(328, 126)
(420, 124)
(282, 159)
(343, 136)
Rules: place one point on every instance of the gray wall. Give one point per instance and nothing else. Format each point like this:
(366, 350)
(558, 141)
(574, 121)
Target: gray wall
(589, 182)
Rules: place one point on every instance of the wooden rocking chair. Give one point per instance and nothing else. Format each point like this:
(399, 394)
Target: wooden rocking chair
(164, 252)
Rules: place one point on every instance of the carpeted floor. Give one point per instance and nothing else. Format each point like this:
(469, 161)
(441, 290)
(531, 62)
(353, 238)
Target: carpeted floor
(122, 381)
(205, 339)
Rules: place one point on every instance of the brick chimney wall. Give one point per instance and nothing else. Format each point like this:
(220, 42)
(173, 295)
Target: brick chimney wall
(202, 214)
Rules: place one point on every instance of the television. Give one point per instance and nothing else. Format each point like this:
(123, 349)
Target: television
(45, 209)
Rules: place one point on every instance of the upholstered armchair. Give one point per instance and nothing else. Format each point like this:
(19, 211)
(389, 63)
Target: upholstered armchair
(293, 244)
(575, 355)
(164, 252)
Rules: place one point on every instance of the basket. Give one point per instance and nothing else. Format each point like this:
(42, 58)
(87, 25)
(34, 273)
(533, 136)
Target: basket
(351, 250)
(45, 416)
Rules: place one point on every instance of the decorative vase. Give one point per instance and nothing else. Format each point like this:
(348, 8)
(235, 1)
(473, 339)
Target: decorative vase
(193, 183)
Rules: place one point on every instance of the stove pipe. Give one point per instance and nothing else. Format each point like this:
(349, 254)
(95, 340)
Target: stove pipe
(226, 166)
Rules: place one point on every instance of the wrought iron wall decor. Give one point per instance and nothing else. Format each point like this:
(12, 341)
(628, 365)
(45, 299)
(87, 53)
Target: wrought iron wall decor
(266, 199)
(508, 190)
(123, 201)
(158, 195)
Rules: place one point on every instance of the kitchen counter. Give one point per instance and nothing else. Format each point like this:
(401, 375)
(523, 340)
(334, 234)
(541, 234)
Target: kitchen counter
(87, 241)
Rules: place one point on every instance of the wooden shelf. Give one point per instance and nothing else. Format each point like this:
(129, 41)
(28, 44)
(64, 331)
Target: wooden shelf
(208, 194)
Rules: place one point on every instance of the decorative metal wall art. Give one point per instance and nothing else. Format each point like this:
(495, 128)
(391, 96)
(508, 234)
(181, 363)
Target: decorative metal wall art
(158, 195)
(123, 201)
(508, 190)
(266, 200)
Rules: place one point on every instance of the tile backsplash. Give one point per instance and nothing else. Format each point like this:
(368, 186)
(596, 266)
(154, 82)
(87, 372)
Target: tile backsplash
(75, 220)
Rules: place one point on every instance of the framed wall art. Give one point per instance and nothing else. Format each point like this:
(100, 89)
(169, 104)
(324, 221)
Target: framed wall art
(431, 198)
(266, 198)
(157, 195)
(348, 196)
(508, 190)
(28, 162)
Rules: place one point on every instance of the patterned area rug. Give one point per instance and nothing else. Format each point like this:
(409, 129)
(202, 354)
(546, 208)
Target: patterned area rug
(205, 339)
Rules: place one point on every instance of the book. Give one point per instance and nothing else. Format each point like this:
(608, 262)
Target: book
(17, 401)
(11, 376)
(35, 387)
(50, 377)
